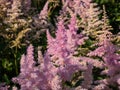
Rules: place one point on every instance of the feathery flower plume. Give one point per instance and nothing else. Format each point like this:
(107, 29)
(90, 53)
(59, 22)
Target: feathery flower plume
(62, 48)
(41, 77)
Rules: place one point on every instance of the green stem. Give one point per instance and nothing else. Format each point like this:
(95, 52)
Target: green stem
(15, 55)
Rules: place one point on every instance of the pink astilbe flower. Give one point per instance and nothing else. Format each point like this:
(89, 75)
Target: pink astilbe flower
(62, 48)
(81, 7)
(96, 63)
(74, 39)
(40, 56)
(41, 23)
(115, 80)
(48, 67)
(59, 41)
(102, 45)
(41, 77)
(111, 61)
(108, 52)
(77, 7)
(98, 52)
(44, 12)
(28, 74)
(88, 78)
(23, 64)
(56, 83)
(69, 67)
(3, 86)
(101, 87)
(66, 40)
(50, 41)
(30, 57)
(91, 21)
(27, 62)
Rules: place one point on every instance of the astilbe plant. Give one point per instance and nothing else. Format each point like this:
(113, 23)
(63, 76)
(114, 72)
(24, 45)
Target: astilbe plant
(21, 24)
(40, 23)
(77, 7)
(107, 51)
(55, 69)
(62, 48)
(3, 86)
(99, 30)
(59, 63)
(62, 62)
(66, 39)
(92, 23)
(87, 11)
(41, 77)
(88, 20)
(17, 25)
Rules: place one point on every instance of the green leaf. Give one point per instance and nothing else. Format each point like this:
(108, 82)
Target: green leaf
(7, 65)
